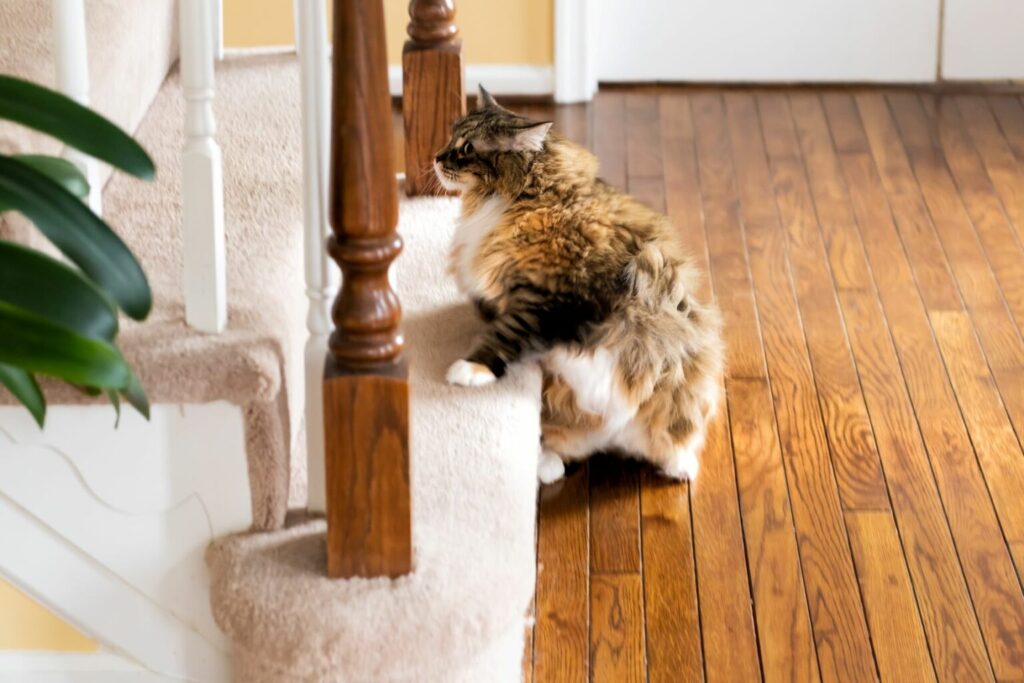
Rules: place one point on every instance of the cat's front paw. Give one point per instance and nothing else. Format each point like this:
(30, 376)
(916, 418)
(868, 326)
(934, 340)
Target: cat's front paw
(466, 373)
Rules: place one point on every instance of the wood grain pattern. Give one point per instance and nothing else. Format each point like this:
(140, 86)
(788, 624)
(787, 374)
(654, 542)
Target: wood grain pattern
(366, 444)
(433, 92)
(616, 639)
(670, 582)
(863, 474)
(562, 633)
(840, 628)
(780, 605)
(614, 516)
(900, 645)
(858, 469)
(365, 390)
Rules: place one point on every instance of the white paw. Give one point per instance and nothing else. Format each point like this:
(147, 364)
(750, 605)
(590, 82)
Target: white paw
(468, 374)
(550, 467)
(684, 466)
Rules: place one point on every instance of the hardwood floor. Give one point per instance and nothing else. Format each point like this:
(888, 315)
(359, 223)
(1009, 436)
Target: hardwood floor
(860, 508)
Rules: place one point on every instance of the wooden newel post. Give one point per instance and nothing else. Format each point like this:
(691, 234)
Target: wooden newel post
(366, 394)
(433, 92)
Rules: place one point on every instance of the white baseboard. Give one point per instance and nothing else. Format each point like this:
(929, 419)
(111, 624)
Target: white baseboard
(73, 667)
(499, 79)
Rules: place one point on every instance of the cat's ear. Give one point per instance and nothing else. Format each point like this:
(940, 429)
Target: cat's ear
(487, 100)
(531, 138)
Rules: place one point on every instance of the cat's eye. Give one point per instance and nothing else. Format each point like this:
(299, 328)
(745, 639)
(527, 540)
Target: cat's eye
(466, 148)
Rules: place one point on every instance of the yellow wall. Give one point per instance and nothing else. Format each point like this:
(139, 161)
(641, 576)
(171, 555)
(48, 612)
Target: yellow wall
(493, 31)
(26, 625)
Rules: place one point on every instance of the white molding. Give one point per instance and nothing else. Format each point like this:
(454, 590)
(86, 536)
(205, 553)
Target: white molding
(575, 59)
(56, 573)
(499, 79)
(322, 275)
(71, 54)
(202, 183)
(108, 527)
(103, 666)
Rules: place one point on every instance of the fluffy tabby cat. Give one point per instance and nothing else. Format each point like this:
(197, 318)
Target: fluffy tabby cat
(564, 266)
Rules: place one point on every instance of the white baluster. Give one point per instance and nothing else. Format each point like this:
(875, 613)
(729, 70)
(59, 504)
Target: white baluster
(217, 16)
(322, 275)
(72, 56)
(202, 186)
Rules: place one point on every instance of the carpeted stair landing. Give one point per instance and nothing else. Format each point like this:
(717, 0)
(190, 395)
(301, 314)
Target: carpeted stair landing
(460, 615)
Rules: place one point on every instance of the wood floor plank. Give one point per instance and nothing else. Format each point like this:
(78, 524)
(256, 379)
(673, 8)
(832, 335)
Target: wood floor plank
(780, 605)
(562, 633)
(616, 639)
(922, 246)
(643, 136)
(1009, 113)
(609, 137)
(836, 222)
(727, 624)
(858, 469)
(614, 515)
(671, 611)
(726, 617)
(990, 573)
(840, 627)
(900, 645)
(999, 333)
(1005, 168)
(995, 443)
(728, 259)
(947, 611)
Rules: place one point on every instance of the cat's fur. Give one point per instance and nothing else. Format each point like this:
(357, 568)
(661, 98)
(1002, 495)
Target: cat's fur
(563, 265)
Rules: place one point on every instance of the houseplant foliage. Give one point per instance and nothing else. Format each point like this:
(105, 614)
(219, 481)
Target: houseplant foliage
(57, 318)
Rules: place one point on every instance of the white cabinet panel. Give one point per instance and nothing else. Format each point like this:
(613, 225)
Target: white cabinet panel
(761, 40)
(984, 39)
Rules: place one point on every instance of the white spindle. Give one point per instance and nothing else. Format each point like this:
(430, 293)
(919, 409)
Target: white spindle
(72, 57)
(217, 16)
(202, 187)
(322, 275)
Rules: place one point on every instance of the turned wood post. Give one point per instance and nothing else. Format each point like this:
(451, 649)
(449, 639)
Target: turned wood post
(366, 393)
(433, 92)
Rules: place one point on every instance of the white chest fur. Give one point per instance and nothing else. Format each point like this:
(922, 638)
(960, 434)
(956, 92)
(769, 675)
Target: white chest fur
(469, 235)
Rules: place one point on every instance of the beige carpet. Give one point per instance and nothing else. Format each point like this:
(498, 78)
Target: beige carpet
(459, 616)
(131, 45)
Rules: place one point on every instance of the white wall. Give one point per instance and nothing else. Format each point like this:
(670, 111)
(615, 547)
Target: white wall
(984, 39)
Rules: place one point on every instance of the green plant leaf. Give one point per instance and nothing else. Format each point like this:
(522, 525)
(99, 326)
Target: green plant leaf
(58, 115)
(115, 401)
(136, 395)
(78, 232)
(24, 388)
(48, 288)
(36, 345)
(61, 171)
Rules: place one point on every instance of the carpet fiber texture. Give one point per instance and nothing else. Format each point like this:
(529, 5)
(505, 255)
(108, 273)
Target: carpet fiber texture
(459, 616)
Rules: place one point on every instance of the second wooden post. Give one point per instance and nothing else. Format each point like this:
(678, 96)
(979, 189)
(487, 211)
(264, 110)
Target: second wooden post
(433, 92)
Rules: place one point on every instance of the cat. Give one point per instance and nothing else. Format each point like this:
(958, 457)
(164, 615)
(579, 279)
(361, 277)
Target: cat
(566, 268)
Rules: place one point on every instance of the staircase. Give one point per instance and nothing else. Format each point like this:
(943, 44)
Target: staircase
(173, 537)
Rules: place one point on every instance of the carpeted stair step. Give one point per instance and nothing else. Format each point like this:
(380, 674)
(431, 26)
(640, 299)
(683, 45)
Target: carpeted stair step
(255, 363)
(132, 46)
(460, 615)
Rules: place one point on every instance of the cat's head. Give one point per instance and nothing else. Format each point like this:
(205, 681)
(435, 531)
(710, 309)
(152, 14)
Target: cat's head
(489, 147)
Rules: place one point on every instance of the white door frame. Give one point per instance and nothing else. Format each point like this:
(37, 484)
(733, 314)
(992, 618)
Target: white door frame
(575, 62)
